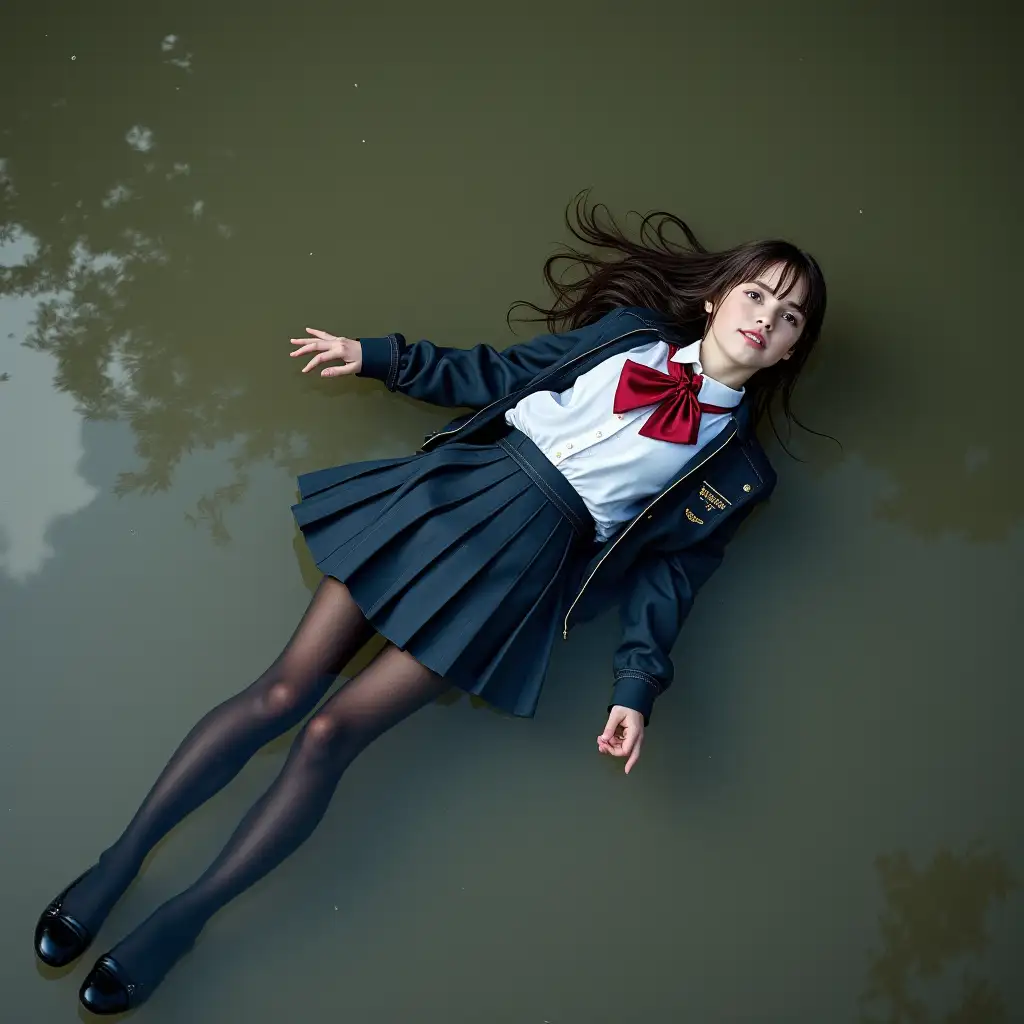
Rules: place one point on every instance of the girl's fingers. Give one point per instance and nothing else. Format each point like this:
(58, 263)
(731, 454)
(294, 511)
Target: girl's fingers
(633, 758)
(337, 371)
(315, 361)
(304, 350)
(323, 335)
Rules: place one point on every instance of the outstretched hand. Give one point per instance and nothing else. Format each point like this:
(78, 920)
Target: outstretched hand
(329, 348)
(623, 735)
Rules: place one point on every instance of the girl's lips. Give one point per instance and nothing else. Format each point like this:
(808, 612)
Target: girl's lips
(754, 339)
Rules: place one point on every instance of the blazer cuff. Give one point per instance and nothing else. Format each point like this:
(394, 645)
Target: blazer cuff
(636, 692)
(380, 358)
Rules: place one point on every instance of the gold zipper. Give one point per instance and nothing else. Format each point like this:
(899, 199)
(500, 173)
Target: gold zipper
(584, 355)
(686, 476)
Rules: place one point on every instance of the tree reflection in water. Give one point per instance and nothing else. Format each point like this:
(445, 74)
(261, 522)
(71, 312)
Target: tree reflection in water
(156, 302)
(934, 921)
(173, 201)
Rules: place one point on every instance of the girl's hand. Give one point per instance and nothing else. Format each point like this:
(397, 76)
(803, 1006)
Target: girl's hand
(623, 736)
(329, 349)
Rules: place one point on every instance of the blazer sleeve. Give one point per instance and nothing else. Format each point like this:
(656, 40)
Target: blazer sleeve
(471, 378)
(662, 589)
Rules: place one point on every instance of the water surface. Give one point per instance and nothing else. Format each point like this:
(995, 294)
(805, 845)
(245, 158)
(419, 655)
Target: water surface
(825, 824)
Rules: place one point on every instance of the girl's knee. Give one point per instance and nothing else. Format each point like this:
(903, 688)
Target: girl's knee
(281, 699)
(327, 734)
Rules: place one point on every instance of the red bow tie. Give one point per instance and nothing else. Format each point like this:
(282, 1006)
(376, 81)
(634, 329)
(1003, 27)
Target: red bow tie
(677, 417)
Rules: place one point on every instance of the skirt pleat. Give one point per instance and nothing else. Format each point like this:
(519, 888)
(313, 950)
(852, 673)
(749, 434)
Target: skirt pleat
(456, 556)
(505, 675)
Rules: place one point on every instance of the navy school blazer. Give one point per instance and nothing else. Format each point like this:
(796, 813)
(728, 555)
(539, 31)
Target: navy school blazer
(652, 566)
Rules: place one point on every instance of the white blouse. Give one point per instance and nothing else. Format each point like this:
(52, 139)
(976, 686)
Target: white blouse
(602, 454)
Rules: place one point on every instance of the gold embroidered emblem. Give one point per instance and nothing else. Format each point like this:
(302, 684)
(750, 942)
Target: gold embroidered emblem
(713, 501)
(693, 518)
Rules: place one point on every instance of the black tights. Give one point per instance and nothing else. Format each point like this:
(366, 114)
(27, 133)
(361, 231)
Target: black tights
(389, 689)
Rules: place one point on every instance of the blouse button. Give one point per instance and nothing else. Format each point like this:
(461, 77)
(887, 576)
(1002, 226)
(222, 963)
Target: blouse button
(569, 446)
(746, 487)
(558, 455)
(620, 415)
(599, 433)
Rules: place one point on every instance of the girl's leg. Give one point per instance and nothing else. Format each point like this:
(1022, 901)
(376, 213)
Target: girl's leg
(389, 689)
(331, 632)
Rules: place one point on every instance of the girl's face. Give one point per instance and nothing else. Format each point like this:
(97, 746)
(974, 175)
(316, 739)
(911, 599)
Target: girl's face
(753, 329)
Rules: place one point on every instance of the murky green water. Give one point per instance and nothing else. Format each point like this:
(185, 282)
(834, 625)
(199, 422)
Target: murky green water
(825, 825)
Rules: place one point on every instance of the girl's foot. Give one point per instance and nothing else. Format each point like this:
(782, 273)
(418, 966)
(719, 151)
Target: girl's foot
(66, 928)
(60, 937)
(126, 976)
(107, 989)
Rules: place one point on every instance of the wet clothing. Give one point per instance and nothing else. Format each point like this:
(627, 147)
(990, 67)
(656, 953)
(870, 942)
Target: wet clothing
(419, 580)
(601, 453)
(462, 556)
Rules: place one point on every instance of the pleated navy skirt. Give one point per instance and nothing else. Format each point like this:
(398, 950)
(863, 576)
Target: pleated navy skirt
(463, 556)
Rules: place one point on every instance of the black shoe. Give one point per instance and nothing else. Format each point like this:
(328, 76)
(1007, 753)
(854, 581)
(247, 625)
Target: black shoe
(107, 989)
(59, 937)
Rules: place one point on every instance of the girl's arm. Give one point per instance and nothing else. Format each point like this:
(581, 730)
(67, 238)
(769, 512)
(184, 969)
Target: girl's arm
(664, 585)
(471, 378)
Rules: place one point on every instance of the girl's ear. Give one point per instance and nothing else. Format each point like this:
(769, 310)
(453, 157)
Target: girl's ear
(707, 306)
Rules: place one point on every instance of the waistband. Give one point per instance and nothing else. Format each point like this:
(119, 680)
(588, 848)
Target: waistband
(555, 487)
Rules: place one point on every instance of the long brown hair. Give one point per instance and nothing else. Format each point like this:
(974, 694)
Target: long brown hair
(675, 280)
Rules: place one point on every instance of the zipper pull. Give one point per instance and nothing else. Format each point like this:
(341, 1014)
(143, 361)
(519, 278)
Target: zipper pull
(565, 634)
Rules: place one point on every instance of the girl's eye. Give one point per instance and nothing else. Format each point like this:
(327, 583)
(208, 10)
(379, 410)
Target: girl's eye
(757, 295)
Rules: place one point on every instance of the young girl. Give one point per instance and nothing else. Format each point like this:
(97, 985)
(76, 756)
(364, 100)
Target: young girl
(611, 458)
